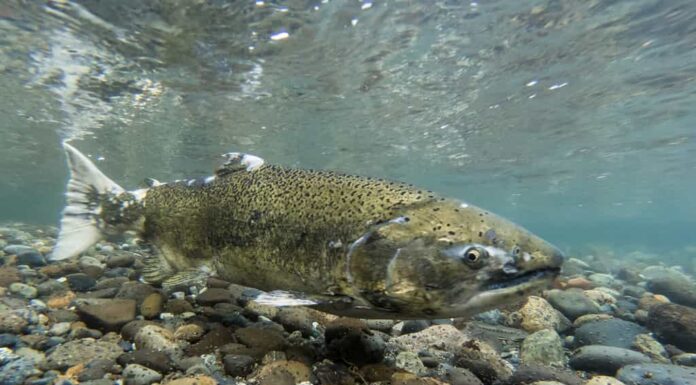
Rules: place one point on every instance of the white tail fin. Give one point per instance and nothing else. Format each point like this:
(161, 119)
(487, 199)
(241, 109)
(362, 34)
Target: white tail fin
(79, 227)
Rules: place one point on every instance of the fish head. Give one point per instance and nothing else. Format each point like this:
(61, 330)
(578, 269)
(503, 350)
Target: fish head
(446, 259)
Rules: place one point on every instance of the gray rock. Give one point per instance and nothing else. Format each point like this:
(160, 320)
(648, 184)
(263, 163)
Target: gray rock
(657, 374)
(350, 340)
(574, 266)
(410, 362)
(610, 332)
(154, 360)
(237, 365)
(572, 303)
(31, 258)
(106, 314)
(120, 260)
(214, 295)
(135, 290)
(95, 369)
(11, 322)
(17, 249)
(605, 359)
(16, 370)
(414, 326)
(135, 374)
(157, 338)
(459, 376)
(51, 286)
(685, 359)
(528, 374)
(74, 352)
(543, 347)
(80, 282)
(24, 290)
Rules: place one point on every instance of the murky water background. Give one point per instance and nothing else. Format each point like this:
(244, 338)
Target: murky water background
(573, 118)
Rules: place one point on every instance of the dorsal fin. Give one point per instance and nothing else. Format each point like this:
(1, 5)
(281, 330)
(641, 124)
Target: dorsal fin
(237, 161)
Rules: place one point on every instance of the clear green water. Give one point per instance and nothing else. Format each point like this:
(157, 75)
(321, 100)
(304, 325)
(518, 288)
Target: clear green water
(573, 118)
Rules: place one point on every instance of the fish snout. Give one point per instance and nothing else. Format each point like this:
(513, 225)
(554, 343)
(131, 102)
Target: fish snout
(551, 259)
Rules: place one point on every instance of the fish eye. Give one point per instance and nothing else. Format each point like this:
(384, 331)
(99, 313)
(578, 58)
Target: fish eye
(473, 256)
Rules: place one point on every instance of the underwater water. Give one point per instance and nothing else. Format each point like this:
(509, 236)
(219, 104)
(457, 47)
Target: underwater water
(573, 118)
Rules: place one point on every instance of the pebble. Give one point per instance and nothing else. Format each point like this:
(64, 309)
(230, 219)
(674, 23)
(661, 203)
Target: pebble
(483, 361)
(537, 314)
(178, 306)
(152, 305)
(79, 351)
(543, 347)
(299, 318)
(31, 258)
(674, 324)
(158, 361)
(263, 339)
(60, 328)
(196, 380)
(211, 341)
(9, 275)
(135, 374)
(11, 322)
(527, 374)
(603, 380)
(649, 346)
(437, 339)
(590, 318)
(610, 332)
(189, 332)
(95, 369)
(459, 376)
(410, 362)
(80, 282)
(574, 266)
(137, 291)
(350, 340)
(572, 303)
(657, 374)
(24, 290)
(299, 371)
(677, 287)
(238, 365)
(685, 359)
(106, 314)
(61, 301)
(600, 279)
(16, 369)
(214, 295)
(605, 359)
(157, 338)
(120, 260)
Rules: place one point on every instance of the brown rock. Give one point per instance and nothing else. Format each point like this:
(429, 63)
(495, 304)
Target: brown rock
(675, 324)
(197, 380)
(189, 332)
(378, 372)
(178, 306)
(9, 275)
(107, 314)
(214, 295)
(299, 371)
(537, 314)
(580, 283)
(213, 340)
(152, 305)
(264, 339)
(412, 379)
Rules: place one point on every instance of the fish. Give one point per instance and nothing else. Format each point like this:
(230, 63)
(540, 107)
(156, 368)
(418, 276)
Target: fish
(348, 245)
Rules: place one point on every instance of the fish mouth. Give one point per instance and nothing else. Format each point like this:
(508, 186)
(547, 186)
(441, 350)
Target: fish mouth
(547, 273)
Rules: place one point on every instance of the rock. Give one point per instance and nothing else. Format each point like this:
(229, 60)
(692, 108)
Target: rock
(350, 340)
(157, 338)
(299, 371)
(572, 303)
(677, 286)
(412, 379)
(110, 283)
(611, 332)
(685, 359)
(590, 318)
(537, 314)
(154, 360)
(189, 332)
(502, 338)
(527, 374)
(414, 326)
(130, 329)
(106, 314)
(120, 260)
(81, 351)
(16, 369)
(483, 361)
(24, 290)
(9, 275)
(603, 380)
(647, 345)
(657, 374)
(410, 362)
(152, 305)
(31, 258)
(17, 249)
(579, 283)
(599, 296)
(61, 301)
(237, 365)
(80, 282)
(605, 359)
(262, 339)
(299, 318)
(135, 374)
(214, 295)
(605, 280)
(574, 266)
(437, 340)
(328, 373)
(213, 340)
(95, 369)
(459, 376)
(675, 324)
(543, 347)
(197, 380)
(60, 328)
(135, 290)
(11, 323)
(178, 306)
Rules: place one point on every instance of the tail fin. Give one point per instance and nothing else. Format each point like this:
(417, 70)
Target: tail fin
(80, 226)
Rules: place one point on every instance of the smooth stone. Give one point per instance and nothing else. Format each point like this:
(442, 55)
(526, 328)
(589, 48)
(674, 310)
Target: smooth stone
(17, 249)
(299, 371)
(211, 341)
(574, 266)
(649, 346)
(135, 374)
(657, 374)
(79, 351)
(95, 369)
(537, 314)
(674, 324)
(299, 318)
(9, 275)
(16, 370)
(23, 290)
(137, 291)
(572, 303)
(196, 380)
(152, 305)
(178, 306)
(80, 282)
(154, 360)
(605, 359)
(685, 359)
(482, 360)
(329, 373)
(107, 283)
(600, 279)
(8, 340)
(214, 295)
(582, 320)
(543, 347)
(189, 332)
(120, 260)
(129, 330)
(31, 258)
(52, 286)
(611, 332)
(527, 374)
(459, 376)
(60, 328)
(262, 339)
(237, 365)
(414, 326)
(106, 314)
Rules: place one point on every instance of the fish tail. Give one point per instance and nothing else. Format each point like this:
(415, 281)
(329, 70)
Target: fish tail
(96, 206)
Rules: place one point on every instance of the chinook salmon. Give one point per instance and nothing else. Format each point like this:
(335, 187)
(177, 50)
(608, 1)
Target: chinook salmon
(347, 245)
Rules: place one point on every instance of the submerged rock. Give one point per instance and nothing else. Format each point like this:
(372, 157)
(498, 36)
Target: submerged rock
(81, 351)
(543, 347)
(572, 303)
(675, 324)
(657, 374)
(106, 314)
(537, 314)
(605, 359)
(611, 332)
